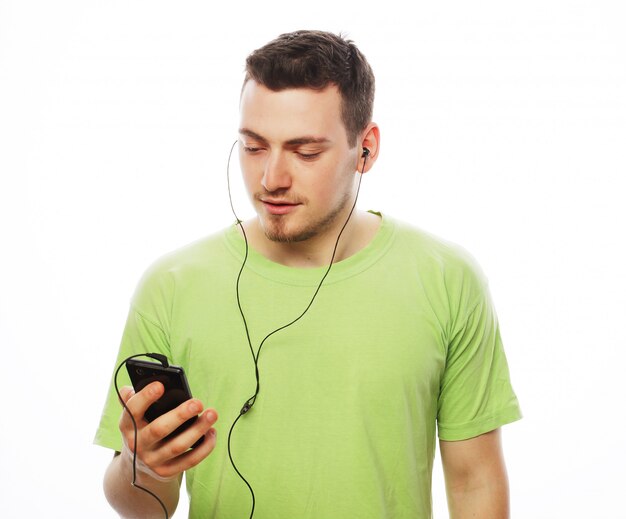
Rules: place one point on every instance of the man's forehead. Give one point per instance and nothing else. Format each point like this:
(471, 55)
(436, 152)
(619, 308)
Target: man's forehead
(298, 115)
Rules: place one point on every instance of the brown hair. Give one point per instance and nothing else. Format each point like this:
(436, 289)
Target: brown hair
(317, 59)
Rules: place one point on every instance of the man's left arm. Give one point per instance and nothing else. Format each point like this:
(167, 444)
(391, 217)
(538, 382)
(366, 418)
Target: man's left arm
(476, 480)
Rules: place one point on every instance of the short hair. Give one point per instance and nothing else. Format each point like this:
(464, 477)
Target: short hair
(317, 59)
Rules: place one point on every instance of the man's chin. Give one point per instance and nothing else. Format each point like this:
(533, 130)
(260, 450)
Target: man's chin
(278, 232)
(286, 237)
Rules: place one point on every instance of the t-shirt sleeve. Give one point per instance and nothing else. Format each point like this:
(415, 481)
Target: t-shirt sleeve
(144, 332)
(475, 395)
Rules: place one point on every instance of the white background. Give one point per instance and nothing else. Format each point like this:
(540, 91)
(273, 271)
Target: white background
(503, 129)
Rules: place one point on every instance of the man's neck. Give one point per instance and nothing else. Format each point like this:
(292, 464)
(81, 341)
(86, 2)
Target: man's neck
(316, 251)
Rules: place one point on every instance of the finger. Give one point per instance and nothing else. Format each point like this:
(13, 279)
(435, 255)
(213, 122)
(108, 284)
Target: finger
(181, 442)
(167, 423)
(126, 392)
(138, 403)
(189, 458)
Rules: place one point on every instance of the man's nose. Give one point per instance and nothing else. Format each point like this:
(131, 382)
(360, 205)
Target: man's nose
(276, 175)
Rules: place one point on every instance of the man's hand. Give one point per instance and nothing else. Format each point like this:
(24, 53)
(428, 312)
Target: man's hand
(160, 462)
(476, 480)
(166, 459)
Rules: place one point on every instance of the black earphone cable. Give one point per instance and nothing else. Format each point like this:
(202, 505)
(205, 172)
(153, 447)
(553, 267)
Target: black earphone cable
(255, 357)
(245, 258)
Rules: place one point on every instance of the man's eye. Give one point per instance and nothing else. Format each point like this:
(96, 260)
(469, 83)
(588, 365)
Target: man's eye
(251, 149)
(308, 156)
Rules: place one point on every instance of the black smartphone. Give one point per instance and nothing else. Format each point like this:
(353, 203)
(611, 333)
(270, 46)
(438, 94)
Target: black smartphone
(176, 391)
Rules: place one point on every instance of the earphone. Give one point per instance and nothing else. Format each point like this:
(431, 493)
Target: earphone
(365, 154)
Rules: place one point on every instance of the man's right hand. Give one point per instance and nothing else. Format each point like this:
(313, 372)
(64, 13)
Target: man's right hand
(166, 459)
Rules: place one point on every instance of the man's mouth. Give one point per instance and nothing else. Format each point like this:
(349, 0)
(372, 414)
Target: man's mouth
(278, 207)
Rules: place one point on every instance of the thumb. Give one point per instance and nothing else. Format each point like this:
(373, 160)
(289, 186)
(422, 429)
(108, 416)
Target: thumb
(126, 392)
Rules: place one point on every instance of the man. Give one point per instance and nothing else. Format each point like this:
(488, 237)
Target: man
(329, 383)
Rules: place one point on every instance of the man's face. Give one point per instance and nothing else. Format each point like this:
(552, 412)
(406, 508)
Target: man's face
(297, 165)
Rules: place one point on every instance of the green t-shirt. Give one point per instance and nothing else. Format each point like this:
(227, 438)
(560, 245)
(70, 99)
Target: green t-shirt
(401, 338)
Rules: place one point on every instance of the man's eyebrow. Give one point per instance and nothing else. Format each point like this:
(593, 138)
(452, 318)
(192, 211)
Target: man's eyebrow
(253, 135)
(298, 141)
(307, 140)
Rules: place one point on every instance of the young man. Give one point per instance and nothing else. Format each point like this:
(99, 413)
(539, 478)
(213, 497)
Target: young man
(329, 383)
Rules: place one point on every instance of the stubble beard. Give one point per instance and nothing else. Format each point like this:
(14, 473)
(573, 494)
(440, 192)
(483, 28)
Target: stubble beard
(276, 227)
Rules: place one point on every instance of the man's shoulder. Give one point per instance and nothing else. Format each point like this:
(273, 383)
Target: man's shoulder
(207, 248)
(440, 265)
(195, 258)
(415, 242)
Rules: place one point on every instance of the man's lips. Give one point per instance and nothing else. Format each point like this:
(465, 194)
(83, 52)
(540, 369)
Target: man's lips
(275, 206)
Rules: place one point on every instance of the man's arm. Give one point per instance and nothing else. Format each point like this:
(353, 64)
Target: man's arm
(476, 480)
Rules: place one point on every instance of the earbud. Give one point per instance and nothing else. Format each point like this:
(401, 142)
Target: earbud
(366, 152)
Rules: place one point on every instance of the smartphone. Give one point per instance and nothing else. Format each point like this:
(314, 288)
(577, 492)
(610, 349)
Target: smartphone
(176, 391)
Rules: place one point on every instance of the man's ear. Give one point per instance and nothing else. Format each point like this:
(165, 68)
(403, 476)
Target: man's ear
(370, 141)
